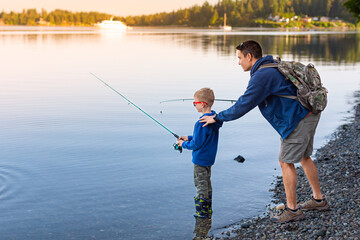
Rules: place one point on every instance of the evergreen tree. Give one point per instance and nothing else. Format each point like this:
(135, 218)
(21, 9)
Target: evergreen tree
(354, 7)
(249, 8)
(274, 6)
(214, 18)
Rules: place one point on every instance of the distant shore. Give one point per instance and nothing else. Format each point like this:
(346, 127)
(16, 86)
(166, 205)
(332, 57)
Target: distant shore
(338, 164)
(277, 28)
(234, 29)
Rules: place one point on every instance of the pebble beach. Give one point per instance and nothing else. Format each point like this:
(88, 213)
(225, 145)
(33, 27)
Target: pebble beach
(338, 164)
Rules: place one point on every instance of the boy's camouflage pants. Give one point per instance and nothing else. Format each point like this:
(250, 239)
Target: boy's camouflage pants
(202, 181)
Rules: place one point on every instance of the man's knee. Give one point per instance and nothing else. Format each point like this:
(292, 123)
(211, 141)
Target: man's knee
(306, 160)
(285, 165)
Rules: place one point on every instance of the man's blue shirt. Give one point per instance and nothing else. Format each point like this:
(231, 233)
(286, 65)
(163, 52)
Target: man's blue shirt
(204, 142)
(282, 113)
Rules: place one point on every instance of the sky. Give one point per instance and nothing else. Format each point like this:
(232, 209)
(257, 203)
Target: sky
(115, 7)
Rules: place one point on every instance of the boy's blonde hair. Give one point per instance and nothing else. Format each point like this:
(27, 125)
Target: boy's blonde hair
(206, 95)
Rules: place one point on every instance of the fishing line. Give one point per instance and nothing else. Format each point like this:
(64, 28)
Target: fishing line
(176, 147)
(191, 99)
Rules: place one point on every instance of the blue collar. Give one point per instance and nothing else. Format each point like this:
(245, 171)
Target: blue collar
(261, 61)
(209, 114)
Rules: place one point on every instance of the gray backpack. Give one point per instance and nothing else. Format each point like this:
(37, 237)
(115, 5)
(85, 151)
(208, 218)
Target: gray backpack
(311, 93)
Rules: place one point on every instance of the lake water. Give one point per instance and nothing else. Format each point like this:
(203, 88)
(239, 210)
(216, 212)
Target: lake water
(78, 162)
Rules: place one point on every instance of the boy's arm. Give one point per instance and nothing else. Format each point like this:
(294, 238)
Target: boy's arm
(197, 140)
(183, 139)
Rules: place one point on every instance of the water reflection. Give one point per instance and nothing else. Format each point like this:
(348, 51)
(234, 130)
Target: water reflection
(202, 228)
(328, 48)
(69, 142)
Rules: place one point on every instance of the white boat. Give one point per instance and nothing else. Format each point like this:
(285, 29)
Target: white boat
(225, 27)
(112, 25)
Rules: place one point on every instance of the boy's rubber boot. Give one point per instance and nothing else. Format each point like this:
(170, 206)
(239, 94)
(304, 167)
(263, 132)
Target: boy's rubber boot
(201, 207)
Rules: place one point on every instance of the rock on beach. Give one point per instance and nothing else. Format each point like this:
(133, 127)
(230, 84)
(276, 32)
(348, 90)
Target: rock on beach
(338, 164)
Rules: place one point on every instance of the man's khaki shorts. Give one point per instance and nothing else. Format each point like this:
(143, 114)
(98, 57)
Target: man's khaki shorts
(300, 142)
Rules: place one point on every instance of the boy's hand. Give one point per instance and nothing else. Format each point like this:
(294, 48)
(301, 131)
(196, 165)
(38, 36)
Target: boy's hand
(207, 120)
(184, 138)
(180, 142)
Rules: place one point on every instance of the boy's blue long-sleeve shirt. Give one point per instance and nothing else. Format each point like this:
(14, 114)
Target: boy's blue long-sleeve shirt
(282, 113)
(204, 142)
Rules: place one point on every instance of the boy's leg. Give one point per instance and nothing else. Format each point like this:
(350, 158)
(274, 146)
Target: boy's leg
(202, 186)
(209, 182)
(201, 181)
(210, 191)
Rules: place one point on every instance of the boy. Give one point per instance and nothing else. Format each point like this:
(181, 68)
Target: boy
(203, 143)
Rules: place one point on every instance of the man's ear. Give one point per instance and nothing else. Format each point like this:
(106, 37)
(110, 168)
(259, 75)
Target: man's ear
(249, 56)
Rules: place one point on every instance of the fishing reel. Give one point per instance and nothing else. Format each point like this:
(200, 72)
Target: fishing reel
(177, 147)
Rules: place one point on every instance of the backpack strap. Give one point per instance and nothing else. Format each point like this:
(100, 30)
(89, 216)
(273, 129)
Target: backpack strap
(275, 65)
(288, 96)
(268, 65)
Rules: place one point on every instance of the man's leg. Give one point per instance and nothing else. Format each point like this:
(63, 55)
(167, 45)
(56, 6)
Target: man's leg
(312, 176)
(290, 180)
(317, 202)
(292, 212)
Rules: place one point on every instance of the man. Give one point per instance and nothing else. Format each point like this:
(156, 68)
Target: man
(295, 124)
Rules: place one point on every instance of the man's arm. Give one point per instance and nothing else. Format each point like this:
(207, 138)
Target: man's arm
(253, 96)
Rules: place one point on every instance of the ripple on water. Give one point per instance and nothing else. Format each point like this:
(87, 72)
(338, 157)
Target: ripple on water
(10, 182)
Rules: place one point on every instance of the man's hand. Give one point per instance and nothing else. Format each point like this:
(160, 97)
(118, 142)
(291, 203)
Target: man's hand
(207, 120)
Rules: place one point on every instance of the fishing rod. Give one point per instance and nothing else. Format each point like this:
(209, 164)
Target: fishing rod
(176, 146)
(191, 99)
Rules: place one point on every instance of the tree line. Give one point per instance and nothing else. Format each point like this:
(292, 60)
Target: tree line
(240, 13)
(57, 17)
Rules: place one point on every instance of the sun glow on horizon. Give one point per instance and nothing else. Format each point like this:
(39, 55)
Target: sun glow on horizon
(117, 8)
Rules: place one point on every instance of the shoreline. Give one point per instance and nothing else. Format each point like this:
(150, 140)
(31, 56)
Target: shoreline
(338, 165)
(325, 29)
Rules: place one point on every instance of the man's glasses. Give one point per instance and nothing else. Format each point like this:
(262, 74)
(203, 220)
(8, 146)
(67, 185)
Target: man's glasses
(243, 44)
(194, 103)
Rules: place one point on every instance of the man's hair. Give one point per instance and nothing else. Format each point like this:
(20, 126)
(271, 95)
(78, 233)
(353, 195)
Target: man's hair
(251, 47)
(205, 95)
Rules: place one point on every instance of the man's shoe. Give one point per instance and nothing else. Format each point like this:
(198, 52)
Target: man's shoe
(288, 216)
(312, 204)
